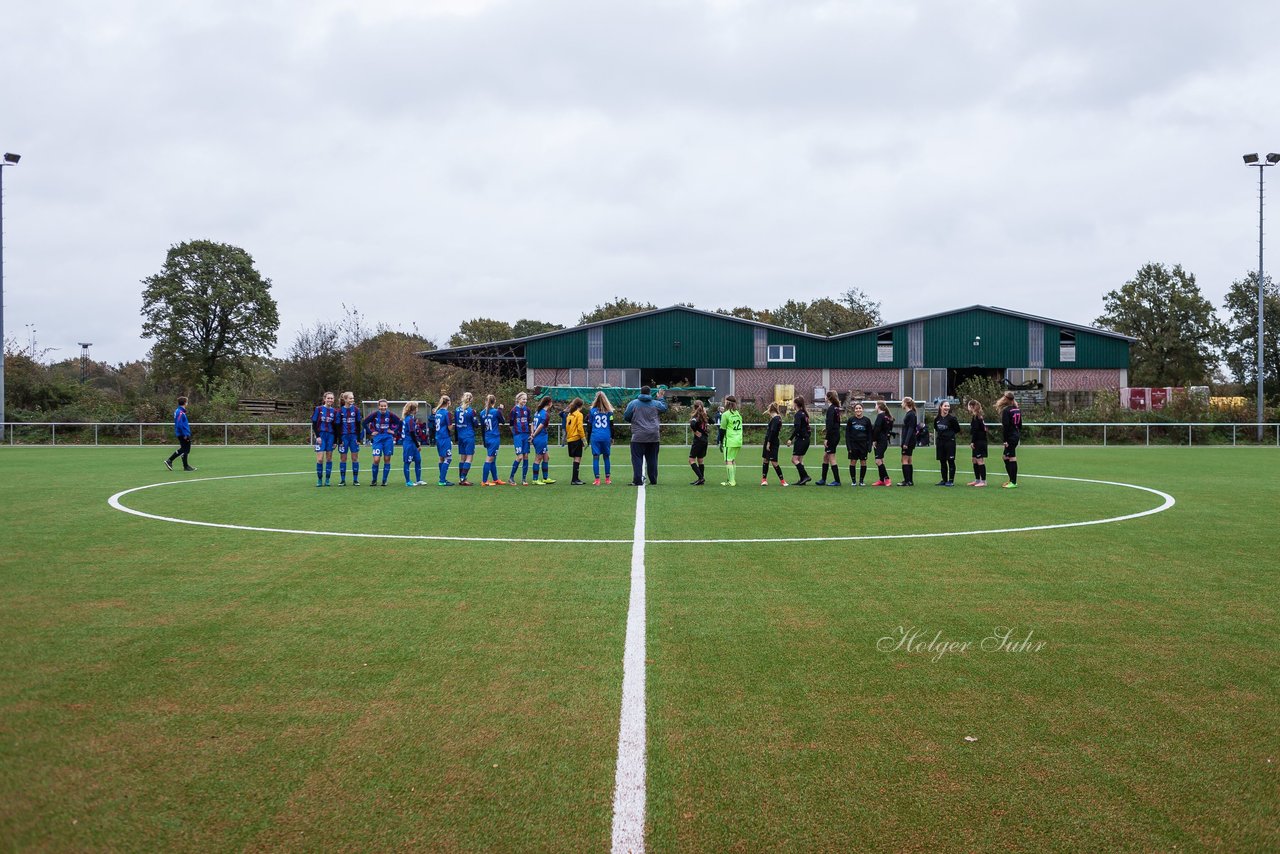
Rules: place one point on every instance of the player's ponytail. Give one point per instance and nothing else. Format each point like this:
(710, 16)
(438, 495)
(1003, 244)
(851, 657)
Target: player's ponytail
(410, 406)
(602, 402)
(1006, 400)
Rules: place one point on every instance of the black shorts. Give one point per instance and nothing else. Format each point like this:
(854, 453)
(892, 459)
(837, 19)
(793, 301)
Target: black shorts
(770, 453)
(575, 448)
(1011, 448)
(980, 451)
(908, 450)
(829, 447)
(946, 451)
(881, 447)
(799, 447)
(698, 449)
(859, 453)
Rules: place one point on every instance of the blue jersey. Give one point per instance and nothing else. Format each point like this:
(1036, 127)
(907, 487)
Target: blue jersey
(540, 419)
(181, 426)
(492, 420)
(443, 421)
(466, 422)
(324, 421)
(601, 423)
(410, 427)
(380, 423)
(520, 421)
(349, 420)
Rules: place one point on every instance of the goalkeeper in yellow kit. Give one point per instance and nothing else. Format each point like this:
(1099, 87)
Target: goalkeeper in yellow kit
(731, 426)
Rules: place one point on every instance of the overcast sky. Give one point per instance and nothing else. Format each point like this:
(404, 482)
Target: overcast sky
(430, 161)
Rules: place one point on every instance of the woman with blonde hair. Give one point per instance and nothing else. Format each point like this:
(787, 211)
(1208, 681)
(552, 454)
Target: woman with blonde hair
(978, 442)
(443, 420)
(600, 417)
(575, 437)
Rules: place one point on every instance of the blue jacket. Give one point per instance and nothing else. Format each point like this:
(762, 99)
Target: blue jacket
(644, 414)
(181, 426)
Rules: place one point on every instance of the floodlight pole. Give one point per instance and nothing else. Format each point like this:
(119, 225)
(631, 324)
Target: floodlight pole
(1254, 160)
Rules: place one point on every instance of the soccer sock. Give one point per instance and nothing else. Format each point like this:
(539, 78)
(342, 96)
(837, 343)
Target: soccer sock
(951, 464)
(803, 473)
(355, 471)
(319, 472)
(524, 472)
(764, 470)
(575, 470)
(606, 465)
(417, 470)
(835, 472)
(777, 468)
(702, 471)
(328, 470)
(884, 473)
(1013, 471)
(406, 471)
(977, 471)
(386, 471)
(595, 465)
(826, 470)
(862, 473)
(733, 473)
(342, 472)
(375, 472)
(464, 469)
(515, 466)
(546, 469)
(853, 473)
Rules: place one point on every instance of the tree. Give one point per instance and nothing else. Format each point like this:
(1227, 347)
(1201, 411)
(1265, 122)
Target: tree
(865, 311)
(748, 313)
(480, 330)
(619, 307)
(1176, 328)
(1240, 339)
(314, 362)
(525, 328)
(209, 311)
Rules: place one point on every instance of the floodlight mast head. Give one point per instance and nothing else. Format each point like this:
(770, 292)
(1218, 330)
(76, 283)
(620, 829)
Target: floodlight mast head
(1273, 159)
(12, 158)
(1250, 159)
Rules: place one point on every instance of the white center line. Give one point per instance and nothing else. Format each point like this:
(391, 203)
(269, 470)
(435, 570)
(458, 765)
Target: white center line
(629, 780)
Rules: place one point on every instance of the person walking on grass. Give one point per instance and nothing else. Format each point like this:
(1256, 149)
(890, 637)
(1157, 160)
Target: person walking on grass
(881, 433)
(799, 441)
(699, 429)
(182, 430)
(978, 443)
(857, 438)
(575, 436)
(1011, 427)
(910, 421)
(772, 443)
(946, 428)
(731, 423)
(411, 438)
(831, 441)
(645, 416)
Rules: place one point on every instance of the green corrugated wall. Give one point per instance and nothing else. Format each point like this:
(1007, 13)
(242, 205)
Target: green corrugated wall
(704, 342)
(948, 341)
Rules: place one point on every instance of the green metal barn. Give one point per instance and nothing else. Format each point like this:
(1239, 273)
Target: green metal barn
(925, 357)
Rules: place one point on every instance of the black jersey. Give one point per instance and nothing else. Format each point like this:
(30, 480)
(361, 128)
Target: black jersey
(832, 436)
(946, 428)
(882, 431)
(909, 429)
(773, 433)
(800, 427)
(857, 433)
(978, 431)
(1011, 423)
(698, 426)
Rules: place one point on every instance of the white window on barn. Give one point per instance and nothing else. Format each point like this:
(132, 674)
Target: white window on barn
(884, 346)
(1066, 346)
(782, 352)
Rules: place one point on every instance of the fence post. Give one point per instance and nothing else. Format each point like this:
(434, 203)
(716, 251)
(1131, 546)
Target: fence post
(1188, 435)
(53, 434)
(226, 432)
(1104, 435)
(1062, 435)
(95, 435)
(139, 435)
(268, 434)
(1233, 435)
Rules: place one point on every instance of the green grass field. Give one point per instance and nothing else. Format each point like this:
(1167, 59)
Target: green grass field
(177, 687)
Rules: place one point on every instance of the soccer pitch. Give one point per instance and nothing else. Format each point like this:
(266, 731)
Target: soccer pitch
(836, 669)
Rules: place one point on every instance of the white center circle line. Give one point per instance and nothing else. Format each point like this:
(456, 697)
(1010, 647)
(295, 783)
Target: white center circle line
(115, 502)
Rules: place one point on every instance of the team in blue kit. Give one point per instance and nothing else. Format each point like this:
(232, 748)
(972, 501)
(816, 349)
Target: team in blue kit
(413, 434)
(382, 426)
(350, 431)
(464, 425)
(442, 420)
(491, 419)
(520, 426)
(600, 425)
(538, 436)
(324, 426)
